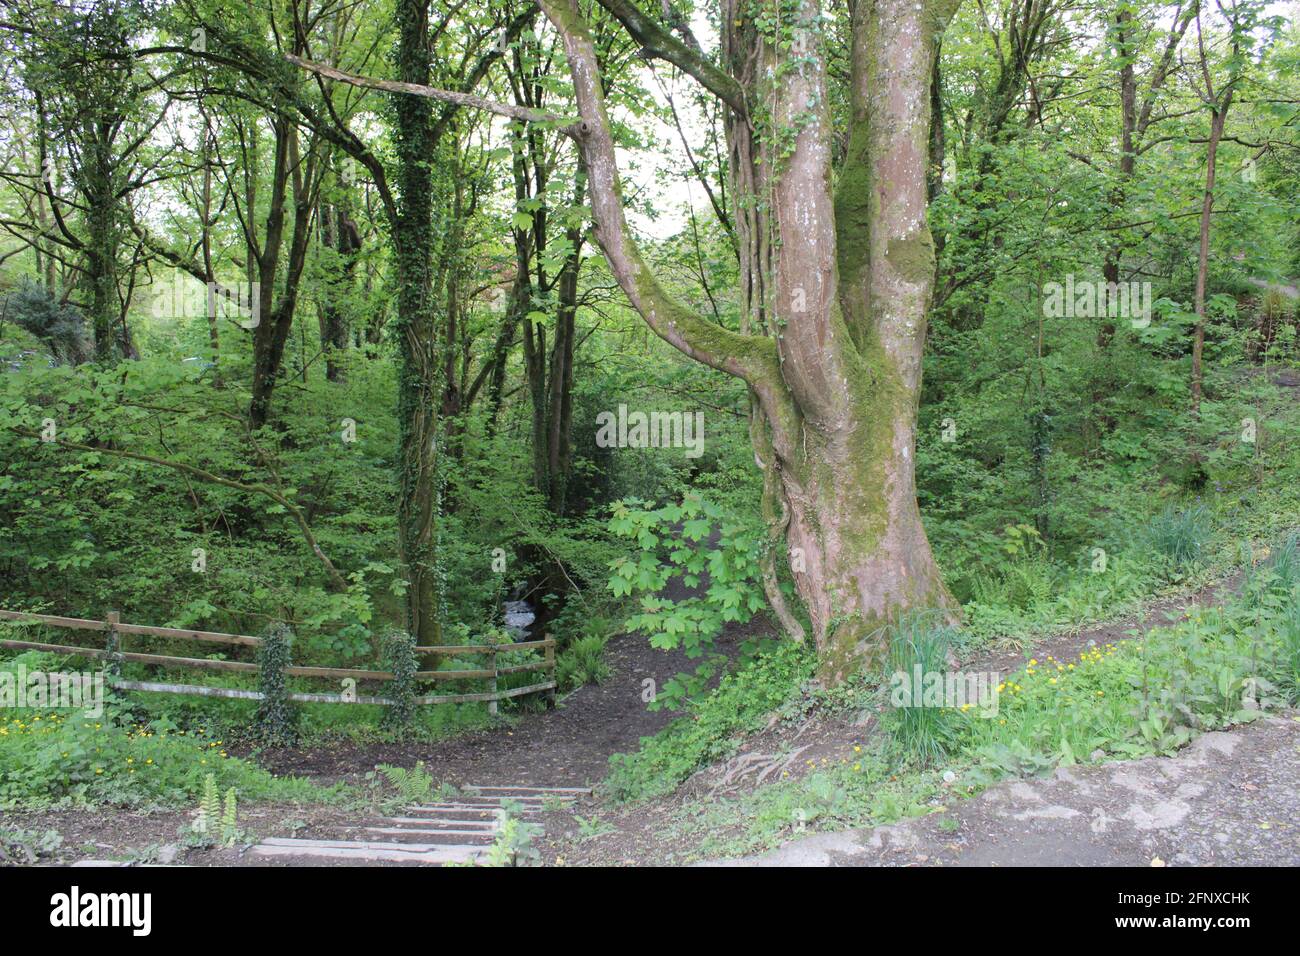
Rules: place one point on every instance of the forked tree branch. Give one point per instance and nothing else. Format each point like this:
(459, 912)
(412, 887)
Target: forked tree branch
(657, 41)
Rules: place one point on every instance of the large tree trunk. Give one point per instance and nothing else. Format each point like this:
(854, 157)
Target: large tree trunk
(886, 263)
(842, 280)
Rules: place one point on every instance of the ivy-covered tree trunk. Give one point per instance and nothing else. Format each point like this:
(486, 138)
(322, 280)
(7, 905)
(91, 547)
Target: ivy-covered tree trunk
(839, 279)
(102, 210)
(426, 250)
(413, 236)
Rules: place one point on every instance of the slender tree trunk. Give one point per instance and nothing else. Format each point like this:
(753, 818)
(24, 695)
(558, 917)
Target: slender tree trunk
(559, 412)
(417, 509)
(205, 248)
(1125, 48)
(275, 315)
(340, 233)
(938, 143)
(45, 263)
(1217, 119)
(505, 340)
(452, 395)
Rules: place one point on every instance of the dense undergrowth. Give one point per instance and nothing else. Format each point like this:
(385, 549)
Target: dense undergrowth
(123, 756)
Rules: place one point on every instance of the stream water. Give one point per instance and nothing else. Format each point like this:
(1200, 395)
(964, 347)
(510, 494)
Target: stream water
(519, 616)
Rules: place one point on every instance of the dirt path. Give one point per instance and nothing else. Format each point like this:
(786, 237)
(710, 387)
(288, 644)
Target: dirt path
(640, 833)
(1066, 645)
(1229, 798)
(571, 746)
(568, 747)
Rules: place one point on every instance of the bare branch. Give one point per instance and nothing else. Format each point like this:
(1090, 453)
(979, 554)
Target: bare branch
(521, 113)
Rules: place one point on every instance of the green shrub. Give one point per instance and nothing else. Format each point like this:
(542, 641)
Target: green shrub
(58, 325)
(1286, 662)
(64, 758)
(1021, 584)
(583, 660)
(1283, 565)
(217, 822)
(713, 551)
(27, 847)
(1148, 694)
(413, 784)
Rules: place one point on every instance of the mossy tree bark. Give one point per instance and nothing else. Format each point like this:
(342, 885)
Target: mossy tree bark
(837, 282)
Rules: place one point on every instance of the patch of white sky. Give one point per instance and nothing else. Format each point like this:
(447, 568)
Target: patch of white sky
(661, 178)
(659, 184)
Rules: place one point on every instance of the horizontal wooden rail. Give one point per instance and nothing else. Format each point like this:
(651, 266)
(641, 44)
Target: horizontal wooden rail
(499, 695)
(453, 675)
(238, 693)
(81, 624)
(161, 659)
(165, 660)
(523, 668)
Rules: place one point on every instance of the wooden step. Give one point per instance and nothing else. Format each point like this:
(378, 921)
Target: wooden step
(431, 853)
(429, 836)
(458, 830)
(531, 799)
(428, 821)
(493, 807)
(573, 791)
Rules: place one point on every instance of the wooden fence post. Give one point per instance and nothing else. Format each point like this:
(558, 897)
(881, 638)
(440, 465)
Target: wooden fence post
(114, 646)
(550, 667)
(492, 681)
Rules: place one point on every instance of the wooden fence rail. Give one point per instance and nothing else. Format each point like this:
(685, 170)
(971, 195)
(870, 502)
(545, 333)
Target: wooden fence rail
(113, 627)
